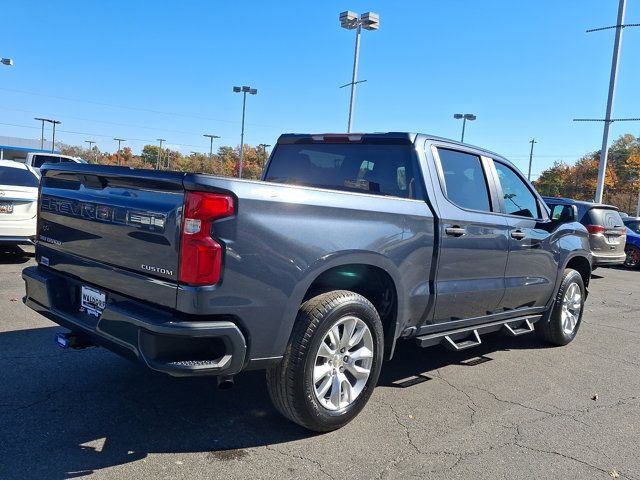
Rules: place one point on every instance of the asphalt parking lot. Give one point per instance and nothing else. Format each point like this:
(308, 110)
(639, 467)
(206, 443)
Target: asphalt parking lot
(511, 408)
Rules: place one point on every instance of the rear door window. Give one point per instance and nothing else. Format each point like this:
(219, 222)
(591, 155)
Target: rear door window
(376, 169)
(464, 179)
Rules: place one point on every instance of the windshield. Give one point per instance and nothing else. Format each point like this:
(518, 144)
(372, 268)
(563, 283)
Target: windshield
(18, 177)
(377, 169)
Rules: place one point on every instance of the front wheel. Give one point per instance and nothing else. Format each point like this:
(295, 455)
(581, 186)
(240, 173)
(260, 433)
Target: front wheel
(633, 256)
(566, 313)
(332, 362)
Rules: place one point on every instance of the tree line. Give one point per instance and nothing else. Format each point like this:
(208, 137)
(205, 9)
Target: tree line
(225, 162)
(578, 181)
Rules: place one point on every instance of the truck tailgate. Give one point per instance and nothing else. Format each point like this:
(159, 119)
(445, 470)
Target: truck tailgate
(113, 227)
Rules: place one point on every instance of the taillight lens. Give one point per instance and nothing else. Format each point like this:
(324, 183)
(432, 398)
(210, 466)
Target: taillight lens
(200, 254)
(595, 228)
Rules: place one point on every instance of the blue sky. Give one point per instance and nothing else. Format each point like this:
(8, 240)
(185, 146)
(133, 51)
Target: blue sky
(143, 70)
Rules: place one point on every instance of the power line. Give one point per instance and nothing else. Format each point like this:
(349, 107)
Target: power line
(71, 132)
(126, 107)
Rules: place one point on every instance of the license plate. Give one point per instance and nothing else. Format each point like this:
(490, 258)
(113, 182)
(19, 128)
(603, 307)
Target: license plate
(6, 207)
(92, 300)
(613, 239)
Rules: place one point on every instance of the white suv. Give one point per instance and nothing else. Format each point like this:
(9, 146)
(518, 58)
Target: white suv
(18, 202)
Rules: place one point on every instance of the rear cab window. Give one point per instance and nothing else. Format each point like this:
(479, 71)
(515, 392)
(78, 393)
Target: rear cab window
(39, 160)
(388, 170)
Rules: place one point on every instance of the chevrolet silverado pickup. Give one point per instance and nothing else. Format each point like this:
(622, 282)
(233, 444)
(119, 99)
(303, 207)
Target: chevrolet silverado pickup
(349, 246)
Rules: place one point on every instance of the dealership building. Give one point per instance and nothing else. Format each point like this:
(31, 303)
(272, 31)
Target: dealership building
(14, 148)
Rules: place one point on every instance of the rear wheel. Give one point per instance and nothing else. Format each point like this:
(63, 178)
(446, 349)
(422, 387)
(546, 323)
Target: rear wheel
(332, 362)
(633, 256)
(566, 313)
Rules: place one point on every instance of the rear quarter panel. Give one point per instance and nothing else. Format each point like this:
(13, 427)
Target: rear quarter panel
(283, 237)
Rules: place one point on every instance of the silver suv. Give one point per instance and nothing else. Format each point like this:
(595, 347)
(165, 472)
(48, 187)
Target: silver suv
(607, 232)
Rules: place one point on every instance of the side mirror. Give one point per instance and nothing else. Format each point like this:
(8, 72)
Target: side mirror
(564, 213)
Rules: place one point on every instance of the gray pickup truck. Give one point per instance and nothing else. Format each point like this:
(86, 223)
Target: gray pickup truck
(351, 245)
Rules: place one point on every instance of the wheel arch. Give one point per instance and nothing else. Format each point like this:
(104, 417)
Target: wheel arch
(355, 272)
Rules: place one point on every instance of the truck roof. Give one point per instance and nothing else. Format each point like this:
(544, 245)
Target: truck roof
(375, 137)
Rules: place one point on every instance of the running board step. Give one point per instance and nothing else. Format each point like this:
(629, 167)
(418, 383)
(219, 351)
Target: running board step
(525, 327)
(450, 343)
(467, 337)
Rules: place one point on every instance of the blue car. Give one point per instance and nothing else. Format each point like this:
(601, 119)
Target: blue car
(632, 247)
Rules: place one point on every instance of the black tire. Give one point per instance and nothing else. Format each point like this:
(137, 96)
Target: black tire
(290, 383)
(633, 256)
(551, 329)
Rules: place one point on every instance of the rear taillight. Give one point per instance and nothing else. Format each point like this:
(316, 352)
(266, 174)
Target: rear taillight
(201, 255)
(595, 228)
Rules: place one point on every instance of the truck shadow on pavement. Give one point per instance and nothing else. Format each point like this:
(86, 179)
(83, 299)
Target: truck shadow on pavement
(13, 255)
(69, 413)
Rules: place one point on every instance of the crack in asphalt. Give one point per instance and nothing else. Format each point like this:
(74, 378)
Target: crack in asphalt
(416, 450)
(300, 457)
(46, 398)
(458, 389)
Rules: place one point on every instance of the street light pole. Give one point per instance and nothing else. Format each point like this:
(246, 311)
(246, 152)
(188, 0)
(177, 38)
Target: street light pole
(244, 90)
(159, 153)
(602, 167)
(464, 116)
(53, 142)
(532, 142)
(6, 61)
(351, 21)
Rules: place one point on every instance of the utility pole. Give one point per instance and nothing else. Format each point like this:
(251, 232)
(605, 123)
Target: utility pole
(41, 131)
(211, 137)
(532, 142)
(91, 142)
(119, 140)
(53, 142)
(159, 153)
(602, 167)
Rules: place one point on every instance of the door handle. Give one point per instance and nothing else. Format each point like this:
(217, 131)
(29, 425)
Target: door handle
(454, 231)
(518, 234)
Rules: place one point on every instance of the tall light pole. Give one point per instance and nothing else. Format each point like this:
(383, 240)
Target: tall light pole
(602, 167)
(351, 21)
(244, 90)
(6, 61)
(53, 141)
(532, 142)
(119, 140)
(464, 116)
(159, 153)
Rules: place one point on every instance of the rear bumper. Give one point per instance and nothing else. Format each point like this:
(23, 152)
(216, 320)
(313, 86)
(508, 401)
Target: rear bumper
(21, 232)
(134, 330)
(603, 260)
(17, 240)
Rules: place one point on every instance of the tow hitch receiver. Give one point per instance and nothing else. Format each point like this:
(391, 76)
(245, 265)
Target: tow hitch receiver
(73, 340)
